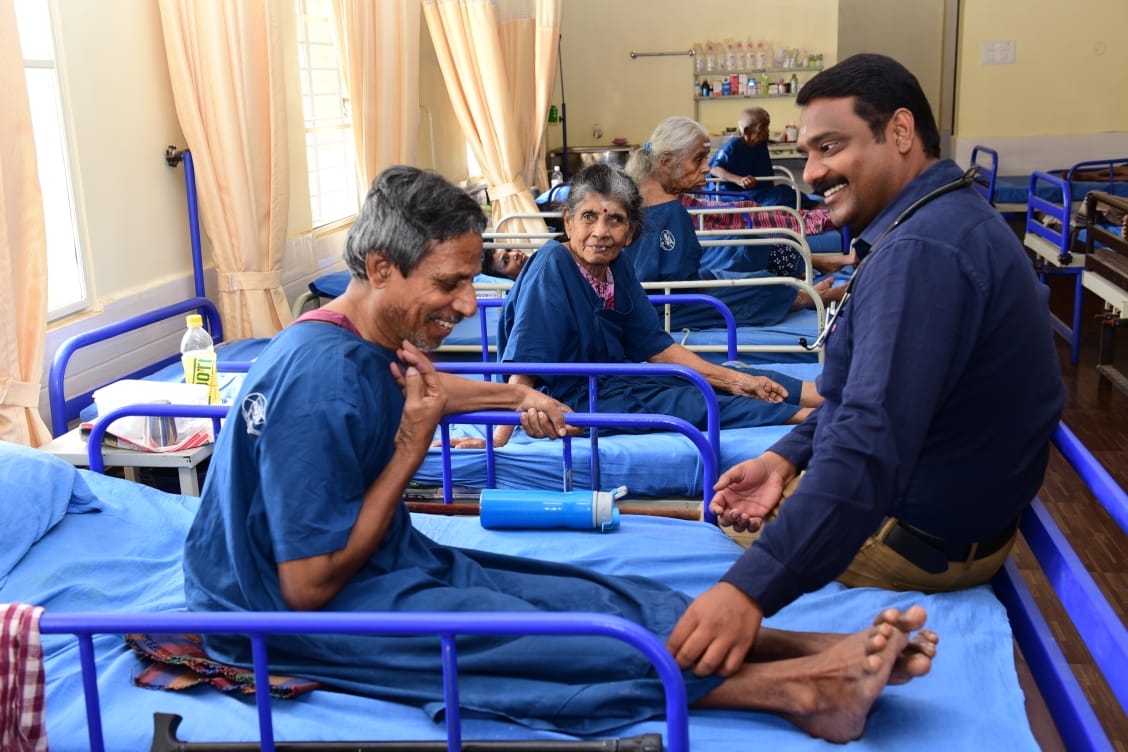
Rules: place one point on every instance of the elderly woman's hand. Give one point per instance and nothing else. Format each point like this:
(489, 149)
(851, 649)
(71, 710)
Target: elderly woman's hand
(760, 387)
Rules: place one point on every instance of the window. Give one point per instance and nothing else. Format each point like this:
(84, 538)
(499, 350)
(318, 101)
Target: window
(330, 152)
(66, 272)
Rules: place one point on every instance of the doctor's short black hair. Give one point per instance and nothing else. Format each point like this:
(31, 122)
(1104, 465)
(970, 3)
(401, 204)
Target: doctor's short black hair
(880, 86)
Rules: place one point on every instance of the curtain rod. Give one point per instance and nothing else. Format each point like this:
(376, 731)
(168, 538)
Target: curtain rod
(634, 54)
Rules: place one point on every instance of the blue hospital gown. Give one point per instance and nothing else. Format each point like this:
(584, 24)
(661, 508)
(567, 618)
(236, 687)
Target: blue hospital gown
(312, 429)
(552, 315)
(668, 251)
(741, 159)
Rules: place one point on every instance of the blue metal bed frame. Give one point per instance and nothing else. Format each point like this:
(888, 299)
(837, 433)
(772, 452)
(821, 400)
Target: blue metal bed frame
(1055, 249)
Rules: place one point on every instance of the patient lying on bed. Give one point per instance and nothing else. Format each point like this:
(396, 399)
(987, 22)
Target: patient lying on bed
(675, 161)
(303, 510)
(505, 263)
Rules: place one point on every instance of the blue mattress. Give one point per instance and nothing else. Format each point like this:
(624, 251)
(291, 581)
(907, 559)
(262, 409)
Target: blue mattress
(127, 558)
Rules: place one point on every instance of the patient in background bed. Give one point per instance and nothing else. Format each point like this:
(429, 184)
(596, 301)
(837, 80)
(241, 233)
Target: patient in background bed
(505, 263)
(745, 157)
(303, 510)
(674, 161)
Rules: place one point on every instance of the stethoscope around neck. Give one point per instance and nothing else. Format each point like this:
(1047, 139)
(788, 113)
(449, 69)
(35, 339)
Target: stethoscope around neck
(833, 311)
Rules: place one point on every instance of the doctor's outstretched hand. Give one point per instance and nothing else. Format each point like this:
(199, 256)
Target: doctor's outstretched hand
(716, 632)
(747, 493)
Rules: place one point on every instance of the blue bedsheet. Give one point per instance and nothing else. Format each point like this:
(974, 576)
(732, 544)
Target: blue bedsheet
(127, 557)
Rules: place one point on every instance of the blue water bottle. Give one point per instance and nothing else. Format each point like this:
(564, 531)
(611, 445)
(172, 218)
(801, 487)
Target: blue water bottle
(581, 510)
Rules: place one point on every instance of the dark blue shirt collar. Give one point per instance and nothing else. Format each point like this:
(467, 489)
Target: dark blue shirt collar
(939, 174)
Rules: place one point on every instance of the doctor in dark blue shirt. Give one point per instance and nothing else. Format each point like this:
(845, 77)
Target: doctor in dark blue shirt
(941, 384)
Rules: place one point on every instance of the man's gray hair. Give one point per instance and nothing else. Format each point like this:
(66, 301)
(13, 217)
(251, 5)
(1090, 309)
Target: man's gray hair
(406, 213)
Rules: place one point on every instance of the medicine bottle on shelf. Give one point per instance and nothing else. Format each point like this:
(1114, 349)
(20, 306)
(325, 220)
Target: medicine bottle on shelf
(197, 355)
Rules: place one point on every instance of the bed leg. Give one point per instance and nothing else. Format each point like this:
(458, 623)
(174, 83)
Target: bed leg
(166, 724)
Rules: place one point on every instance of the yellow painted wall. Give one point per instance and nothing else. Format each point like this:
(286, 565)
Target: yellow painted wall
(627, 97)
(1069, 75)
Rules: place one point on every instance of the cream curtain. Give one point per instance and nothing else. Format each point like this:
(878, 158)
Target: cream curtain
(226, 65)
(498, 59)
(23, 252)
(379, 43)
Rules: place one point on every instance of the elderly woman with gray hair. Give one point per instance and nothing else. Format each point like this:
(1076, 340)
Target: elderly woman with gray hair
(578, 301)
(673, 161)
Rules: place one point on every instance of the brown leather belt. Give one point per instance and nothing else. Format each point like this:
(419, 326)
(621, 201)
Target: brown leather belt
(932, 554)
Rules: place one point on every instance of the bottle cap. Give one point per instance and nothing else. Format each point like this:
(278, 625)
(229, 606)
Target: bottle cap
(195, 319)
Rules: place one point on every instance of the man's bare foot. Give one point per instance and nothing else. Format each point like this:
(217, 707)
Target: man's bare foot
(846, 681)
(916, 659)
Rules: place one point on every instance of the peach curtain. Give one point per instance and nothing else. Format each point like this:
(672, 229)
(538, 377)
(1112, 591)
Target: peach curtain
(23, 252)
(498, 59)
(379, 44)
(225, 61)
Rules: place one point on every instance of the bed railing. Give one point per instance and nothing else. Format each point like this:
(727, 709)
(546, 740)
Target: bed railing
(260, 624)
(491, 295)
(707, 443)
(1098, 625)
(64, 410)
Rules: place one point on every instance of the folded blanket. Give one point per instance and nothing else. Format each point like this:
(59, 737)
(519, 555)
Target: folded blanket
(178, 661)
(22, 722)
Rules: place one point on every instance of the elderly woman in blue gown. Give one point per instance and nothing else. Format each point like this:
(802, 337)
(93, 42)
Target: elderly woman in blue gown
(579, 301)
(676, 160)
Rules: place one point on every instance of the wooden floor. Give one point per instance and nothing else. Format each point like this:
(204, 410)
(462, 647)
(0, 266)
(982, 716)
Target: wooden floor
(1098, 414)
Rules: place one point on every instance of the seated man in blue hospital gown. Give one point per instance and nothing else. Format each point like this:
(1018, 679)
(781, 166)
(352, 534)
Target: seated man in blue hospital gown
(303, 510)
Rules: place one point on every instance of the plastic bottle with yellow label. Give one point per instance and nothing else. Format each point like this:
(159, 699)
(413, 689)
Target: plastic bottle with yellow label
(197, 354)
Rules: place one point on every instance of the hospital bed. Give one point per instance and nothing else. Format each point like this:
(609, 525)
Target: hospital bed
(1009, 193)
(663, 467)
(232, 357)
(1054, 233)
(1106, 275)
(833, 240)
(117, 571)
(782, 342)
